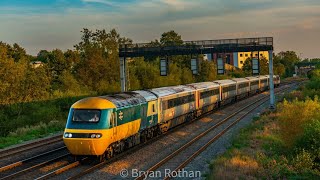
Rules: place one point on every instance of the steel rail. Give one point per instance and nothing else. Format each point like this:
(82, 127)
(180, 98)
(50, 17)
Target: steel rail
(16, 174)
(25, 147)
(101, 164)
(175, 153)
(215, 138)
(19, 163)
(61, 170)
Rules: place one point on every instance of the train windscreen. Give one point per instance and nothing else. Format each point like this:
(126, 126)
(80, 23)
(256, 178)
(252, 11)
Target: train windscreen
(86, 115)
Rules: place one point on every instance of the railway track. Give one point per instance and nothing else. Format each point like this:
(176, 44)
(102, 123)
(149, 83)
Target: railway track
(26, 147)
(19, 168)
(72, 165)
(102, 164)
(185, 152)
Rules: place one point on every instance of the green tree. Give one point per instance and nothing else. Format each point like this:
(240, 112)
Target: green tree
(208, 71)
(99, 64)
(72, 58)
(279, 69)
(288, 59)
(11, 76)
(171, 38)
(57, 62)
(36, 84)
(16, 52)
(43, 56)
(263, 65)
(247, 67)
(69, 85)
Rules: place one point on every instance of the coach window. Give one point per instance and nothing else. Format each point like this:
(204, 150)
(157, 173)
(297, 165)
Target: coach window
(241, 62)
(165, 105)
(241, 55)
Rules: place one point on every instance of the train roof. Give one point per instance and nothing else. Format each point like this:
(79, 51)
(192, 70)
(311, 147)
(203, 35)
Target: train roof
(147, 95)
(224, 82)
(252, 78)
(165, 91)
(203, 85)
(264, 77)
(239, 80)
(125, 99)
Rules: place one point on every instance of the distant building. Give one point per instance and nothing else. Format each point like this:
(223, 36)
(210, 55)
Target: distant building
(205, 57)
(36, 64)
(228, 56)
(237, 59)
(243, 56)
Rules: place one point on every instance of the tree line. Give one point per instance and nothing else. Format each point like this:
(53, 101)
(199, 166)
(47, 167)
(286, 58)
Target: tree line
(92, 68)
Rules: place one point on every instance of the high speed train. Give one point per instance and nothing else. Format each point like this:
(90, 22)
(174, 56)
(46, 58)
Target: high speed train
(107, 125)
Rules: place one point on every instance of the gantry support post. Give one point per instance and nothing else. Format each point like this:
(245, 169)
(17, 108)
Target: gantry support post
(271, 84)
(123, 73)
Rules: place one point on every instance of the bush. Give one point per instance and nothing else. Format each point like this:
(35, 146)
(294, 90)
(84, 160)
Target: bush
(294, 116)
(310, 140)
(303, 162)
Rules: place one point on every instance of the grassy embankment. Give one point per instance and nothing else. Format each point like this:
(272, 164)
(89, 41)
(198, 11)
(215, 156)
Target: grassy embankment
(278, 145)
(23, 122)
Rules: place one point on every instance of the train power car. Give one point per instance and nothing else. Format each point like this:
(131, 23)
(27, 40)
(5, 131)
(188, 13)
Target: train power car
(106, 125)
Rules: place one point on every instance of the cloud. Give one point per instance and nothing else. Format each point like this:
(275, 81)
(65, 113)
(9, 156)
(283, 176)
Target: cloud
(57, 24)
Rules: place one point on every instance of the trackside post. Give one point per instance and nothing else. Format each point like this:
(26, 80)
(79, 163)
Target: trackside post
(271, 84)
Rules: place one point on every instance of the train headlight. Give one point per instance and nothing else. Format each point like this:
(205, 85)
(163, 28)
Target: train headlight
(66, 135)
(95, 135)
(70, 135)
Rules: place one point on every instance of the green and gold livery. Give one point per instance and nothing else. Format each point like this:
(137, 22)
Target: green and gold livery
(121, 116)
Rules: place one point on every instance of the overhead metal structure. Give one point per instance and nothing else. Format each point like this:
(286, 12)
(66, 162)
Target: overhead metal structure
(198, 47)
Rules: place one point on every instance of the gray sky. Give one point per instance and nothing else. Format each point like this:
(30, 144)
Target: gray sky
(38, 24)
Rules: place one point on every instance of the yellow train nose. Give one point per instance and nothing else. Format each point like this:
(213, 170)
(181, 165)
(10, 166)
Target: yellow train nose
(84, 146)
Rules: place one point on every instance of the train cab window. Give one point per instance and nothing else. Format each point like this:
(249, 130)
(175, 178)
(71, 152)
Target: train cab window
(86, 115)
(153, 108)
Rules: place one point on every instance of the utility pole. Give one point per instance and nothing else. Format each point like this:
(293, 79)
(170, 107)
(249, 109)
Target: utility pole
(271, 84)
(123, 74)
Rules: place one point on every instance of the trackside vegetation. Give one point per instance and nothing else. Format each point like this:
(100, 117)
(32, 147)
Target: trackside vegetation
(278, 145)
(33, 120)
(37, 91)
